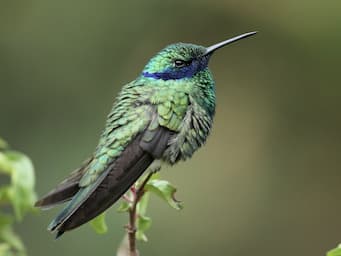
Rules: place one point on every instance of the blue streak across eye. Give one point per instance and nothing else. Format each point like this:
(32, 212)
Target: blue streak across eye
(184, 72)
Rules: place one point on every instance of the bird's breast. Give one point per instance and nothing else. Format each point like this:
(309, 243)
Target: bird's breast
(193, 132)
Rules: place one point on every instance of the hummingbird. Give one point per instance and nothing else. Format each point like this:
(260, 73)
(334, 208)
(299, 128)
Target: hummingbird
(163, 116)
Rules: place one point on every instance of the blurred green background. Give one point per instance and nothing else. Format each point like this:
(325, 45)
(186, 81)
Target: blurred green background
(268, 180)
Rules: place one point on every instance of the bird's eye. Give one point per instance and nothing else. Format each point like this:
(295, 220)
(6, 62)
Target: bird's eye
(179, 63)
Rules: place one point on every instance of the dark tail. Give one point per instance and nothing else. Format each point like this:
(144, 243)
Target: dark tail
(117, 178)
(65, 190)
(121, 175)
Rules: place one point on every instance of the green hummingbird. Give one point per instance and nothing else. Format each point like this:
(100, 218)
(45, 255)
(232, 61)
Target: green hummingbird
(164, 115)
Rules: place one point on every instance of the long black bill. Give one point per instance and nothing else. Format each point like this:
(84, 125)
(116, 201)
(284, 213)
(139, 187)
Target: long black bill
(214, 47)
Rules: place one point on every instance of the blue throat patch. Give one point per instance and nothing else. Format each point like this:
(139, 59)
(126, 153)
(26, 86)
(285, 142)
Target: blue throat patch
(196, 66)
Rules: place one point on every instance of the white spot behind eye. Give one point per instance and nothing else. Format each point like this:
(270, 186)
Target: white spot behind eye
(181, 63)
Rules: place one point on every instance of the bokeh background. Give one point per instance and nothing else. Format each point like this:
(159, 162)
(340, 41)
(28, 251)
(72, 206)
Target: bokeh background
(268, 180)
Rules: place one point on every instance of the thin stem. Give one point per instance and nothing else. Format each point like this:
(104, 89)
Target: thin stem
(127, 199)
(131, 229)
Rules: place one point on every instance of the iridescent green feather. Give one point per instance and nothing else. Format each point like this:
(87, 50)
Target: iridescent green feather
(180, 110)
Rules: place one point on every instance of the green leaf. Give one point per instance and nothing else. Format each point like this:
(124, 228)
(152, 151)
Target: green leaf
(5, 220)
(4, 194)
(5, 164)
(335, 252)
(123, 207)
(155, 176)
(19, 194)
(166, 191)
(3, 144)
(21, 191)
(99, 224)
(9, 237)
(143, 204)
(5, 250)
(143, 223)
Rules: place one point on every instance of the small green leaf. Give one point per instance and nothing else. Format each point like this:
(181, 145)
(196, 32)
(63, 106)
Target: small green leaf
(19, 194)
(123, 207)
(143, 223)
(21, 191)
(99, 224)
(4, 194)
(143, 204)
(5, 250)
(335, 252)
(9, 237)
(166, 191)
(155, 176)
(5, 164)
(5, 220)
(141, 236)
(3, 144)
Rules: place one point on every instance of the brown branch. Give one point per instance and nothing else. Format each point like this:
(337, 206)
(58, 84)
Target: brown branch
(131, 228)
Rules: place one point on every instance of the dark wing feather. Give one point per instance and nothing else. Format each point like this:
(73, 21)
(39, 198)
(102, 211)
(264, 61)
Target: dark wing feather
(156, 146)
(65, 190)
(122, 174)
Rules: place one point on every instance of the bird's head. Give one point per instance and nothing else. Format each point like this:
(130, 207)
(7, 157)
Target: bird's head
(182, 60)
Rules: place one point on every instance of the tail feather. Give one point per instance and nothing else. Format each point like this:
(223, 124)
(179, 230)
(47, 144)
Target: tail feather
(109, 187)
(80, 197)
(107, 193)
(65, 190)
(57, 197)
(121, 174)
